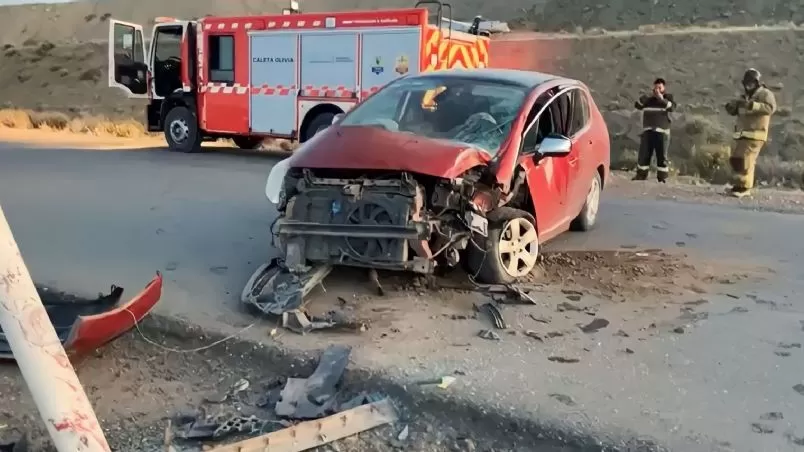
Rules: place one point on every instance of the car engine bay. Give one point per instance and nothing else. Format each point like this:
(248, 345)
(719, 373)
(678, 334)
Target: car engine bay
(381, 220)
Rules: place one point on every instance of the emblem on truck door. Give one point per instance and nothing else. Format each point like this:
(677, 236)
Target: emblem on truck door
(401, 67)
(377, 69)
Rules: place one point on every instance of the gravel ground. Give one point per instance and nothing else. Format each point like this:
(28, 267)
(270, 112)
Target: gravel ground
(137, 388)
(693, 190)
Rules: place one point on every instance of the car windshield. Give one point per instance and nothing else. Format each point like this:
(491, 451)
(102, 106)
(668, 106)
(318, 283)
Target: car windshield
(471, 112)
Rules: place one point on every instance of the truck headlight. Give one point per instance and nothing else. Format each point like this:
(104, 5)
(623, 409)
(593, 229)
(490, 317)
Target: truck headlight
(275, 184)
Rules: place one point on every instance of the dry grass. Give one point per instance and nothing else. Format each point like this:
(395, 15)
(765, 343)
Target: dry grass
(15, 119)
(56, 121)
(700, 147)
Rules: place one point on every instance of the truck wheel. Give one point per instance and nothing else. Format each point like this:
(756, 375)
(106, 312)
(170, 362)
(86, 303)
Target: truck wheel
(181, 130)
(510, 251)
(588, 216)
(319, 123)
(248, 142)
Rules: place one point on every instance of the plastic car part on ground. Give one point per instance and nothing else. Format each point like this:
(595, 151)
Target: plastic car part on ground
(332, 412)
(83, 325)
(19, 443)
(273, 289)
(299, 322)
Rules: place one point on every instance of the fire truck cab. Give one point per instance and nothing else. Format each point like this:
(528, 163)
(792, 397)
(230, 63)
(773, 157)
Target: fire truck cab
(282, 76)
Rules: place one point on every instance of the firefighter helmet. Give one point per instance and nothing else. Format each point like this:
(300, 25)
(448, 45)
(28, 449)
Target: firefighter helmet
(751, 75)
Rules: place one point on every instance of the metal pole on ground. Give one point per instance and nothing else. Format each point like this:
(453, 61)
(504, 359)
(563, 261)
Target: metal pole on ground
(44, 364)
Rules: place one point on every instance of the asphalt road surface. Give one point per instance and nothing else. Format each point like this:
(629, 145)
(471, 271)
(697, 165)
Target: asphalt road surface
(88, 219)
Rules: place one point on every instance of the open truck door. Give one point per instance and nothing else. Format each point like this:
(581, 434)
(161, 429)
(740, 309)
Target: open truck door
(128, 63)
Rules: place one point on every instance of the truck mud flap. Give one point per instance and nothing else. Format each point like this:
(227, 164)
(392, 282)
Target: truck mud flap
(83, 325)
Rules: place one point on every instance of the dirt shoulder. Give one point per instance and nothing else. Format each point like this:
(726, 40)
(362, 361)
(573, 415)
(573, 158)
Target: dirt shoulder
(693, 190)
(137, 388)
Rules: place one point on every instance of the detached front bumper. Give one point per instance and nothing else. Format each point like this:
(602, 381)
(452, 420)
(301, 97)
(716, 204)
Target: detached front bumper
(89, 324)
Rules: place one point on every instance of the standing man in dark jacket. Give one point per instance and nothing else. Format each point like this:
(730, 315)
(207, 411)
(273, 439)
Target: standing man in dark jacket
(655, 139)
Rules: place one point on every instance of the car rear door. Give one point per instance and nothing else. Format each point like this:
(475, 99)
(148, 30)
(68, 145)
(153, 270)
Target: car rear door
(580, 166)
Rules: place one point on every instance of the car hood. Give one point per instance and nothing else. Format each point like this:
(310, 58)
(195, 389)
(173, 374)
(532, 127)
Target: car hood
(374, 148)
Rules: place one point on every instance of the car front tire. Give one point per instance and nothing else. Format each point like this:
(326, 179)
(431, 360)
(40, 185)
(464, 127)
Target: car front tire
(510, 251)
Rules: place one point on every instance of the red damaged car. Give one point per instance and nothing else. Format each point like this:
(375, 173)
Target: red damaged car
(473, 167)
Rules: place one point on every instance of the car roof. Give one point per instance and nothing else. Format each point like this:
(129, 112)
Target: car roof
(525, 79)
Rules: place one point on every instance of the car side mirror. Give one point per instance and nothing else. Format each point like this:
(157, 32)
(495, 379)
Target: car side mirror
(337, 117)
(554, 146)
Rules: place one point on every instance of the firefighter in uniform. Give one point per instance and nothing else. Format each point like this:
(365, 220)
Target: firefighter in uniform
(753, 111)
(655, 138)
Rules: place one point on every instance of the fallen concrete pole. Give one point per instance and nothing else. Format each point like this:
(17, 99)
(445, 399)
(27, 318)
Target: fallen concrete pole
(44, 364)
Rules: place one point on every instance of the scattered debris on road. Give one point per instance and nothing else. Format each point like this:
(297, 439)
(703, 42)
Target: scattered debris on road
(83, 325)
(595, 325)
(772, 416)
(295, 414)
(404, 434)
(534, 335)
(311, 434)
(19, 443)
(563, 398)
(762, 429)
(495, 313)
(488, 335)
(314, 397)
(375, 280)
(516, 293)
(588, 281)
(441, 383)
(563, 360)
(239, 386)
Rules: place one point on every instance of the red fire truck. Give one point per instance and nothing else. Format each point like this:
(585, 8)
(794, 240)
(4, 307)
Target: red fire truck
(282, 76)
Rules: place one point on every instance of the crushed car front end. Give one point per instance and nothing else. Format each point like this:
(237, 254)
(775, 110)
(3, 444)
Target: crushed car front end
(375, 219)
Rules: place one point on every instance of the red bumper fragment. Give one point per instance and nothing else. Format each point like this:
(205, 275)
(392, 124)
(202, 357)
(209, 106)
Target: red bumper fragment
(89, 332)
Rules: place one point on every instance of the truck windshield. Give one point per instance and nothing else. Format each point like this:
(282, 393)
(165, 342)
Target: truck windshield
(476, 113)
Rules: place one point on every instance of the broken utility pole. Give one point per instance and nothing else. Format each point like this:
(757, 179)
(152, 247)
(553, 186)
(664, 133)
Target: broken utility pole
(44, 364)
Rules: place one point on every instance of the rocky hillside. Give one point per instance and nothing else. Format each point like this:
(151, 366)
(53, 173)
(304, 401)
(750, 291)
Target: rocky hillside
(631, 14)
(82, 21)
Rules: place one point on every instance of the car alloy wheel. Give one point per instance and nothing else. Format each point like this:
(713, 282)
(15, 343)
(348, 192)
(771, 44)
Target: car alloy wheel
(518, 248)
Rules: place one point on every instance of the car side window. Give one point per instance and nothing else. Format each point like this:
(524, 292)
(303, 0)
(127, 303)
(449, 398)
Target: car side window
(536, 134)
(580, 111)
(562, 114)
(542, 128)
